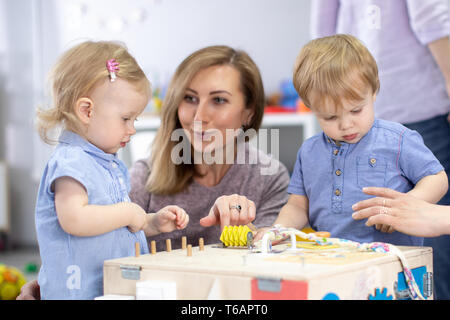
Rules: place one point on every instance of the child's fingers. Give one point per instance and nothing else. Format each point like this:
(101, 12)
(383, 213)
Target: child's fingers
(168, 214)
(183, 222)
(180, 216)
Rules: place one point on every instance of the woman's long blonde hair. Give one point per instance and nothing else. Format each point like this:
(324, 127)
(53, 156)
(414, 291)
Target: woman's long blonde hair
(166, 177)
(77, 72)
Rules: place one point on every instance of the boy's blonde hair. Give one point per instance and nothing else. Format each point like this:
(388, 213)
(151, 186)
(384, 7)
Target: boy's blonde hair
(78, 71)
(166, 177)
(337, 67)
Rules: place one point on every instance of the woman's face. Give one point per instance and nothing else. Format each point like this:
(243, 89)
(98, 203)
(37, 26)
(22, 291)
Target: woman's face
(213, 102)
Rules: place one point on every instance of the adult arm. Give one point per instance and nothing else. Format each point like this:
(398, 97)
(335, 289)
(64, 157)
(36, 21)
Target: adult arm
(440, 49)
(30, 291)
(430, 22)
(139, 173)
(403, 212)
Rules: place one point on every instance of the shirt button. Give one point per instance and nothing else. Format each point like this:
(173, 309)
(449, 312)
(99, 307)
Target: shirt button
(373, 161)
(337, 192)
(338, 172)
(121, 181)
(335, 152)
(114, 165)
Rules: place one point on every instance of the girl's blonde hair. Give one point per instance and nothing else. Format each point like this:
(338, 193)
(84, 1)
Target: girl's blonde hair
(77, 72)
(166, 177)
(337, 67)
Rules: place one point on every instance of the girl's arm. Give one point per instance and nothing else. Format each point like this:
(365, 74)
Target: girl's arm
(431, 188)
(79, 218)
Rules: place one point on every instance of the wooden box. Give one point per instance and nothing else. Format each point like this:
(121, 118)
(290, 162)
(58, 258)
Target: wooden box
(304, 273)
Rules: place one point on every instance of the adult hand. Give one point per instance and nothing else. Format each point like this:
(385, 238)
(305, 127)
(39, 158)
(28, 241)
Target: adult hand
(230, 210)
(30, 291)
(403, 212)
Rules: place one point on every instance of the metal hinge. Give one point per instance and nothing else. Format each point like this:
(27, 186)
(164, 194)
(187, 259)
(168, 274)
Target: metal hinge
(403, 294)
(427, 284)
(131, 272)
(427, 288)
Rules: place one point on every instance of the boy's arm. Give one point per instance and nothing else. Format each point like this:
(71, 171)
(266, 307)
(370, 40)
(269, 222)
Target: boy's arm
(431, 188)
(294, 213)
(77, 217)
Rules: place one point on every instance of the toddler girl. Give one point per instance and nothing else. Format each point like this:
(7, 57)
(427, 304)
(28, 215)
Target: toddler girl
(83, 213)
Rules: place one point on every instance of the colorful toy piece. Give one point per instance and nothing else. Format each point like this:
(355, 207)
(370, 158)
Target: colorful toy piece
(380, 295)
(11, 281)
(236, 236)
(279, 233)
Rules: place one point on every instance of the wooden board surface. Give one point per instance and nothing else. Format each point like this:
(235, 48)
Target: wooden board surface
(300, 264)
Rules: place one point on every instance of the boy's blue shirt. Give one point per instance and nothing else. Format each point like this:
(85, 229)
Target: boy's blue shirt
(72, 267)
(332, 177)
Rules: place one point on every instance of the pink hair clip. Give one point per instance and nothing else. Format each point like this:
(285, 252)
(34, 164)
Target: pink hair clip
(112, 67)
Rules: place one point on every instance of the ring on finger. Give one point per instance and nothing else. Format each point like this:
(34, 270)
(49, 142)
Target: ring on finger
(237, 207)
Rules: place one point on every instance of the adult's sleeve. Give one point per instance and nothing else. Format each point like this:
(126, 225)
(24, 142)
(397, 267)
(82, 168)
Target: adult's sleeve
(139, 173)
(273, 198)
(296, 185)
(430, 19)
(323, 17)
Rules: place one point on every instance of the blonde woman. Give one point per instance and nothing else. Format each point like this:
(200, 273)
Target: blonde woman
(200, 160)
(216, 181)
(83, 212)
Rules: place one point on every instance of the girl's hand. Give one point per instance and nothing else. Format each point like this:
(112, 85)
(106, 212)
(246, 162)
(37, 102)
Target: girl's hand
(170, 218)
(230, 210)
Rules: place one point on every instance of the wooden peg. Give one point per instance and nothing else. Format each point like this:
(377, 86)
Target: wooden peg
(153, 246)
(168, 245)
(201, 244)
(189, 250)
(137, 249)
(183, 242)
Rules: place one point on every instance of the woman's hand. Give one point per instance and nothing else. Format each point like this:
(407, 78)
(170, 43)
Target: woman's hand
(403, 212)
(230, 210)
(30, 291)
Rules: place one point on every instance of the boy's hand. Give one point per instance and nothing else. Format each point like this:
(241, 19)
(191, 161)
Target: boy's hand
(260, 233)
(170, 218)
(139, 218)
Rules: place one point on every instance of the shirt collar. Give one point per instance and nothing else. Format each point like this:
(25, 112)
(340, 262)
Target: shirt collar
(71, 138)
